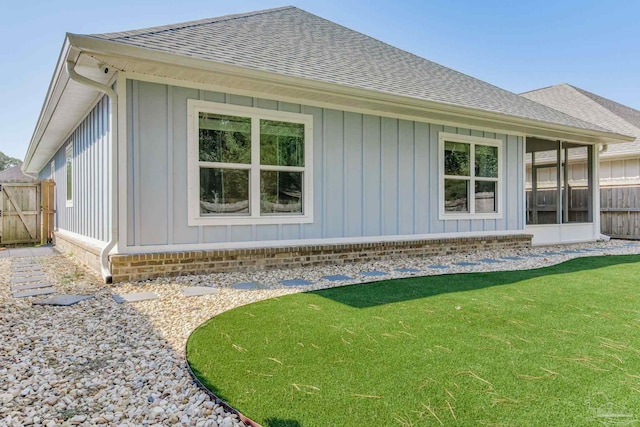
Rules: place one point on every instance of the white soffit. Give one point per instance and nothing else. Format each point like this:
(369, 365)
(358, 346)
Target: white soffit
(72, 102)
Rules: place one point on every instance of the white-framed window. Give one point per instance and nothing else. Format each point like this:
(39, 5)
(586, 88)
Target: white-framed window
(471, 177)
(69, 174)
(248, 165)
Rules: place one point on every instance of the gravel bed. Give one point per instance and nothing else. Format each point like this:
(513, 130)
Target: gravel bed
(103, 363)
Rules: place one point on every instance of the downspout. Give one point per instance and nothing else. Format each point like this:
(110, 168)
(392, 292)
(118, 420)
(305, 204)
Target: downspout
(113, 97)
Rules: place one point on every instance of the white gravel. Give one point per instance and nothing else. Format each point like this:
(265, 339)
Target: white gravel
(103, 363)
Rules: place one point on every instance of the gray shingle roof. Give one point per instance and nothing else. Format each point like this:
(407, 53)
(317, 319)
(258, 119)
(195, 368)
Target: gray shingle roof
(296, 43)
(595, 109)
(15, 174)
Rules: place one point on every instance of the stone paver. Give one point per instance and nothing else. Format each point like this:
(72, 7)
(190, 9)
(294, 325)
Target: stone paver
(337, 277)
(26, 271)
(407, 270)
(295, 282)
(196, 291)
(490, 260)
(374, 273)
(34, 292)
(22, 272)
(26, 287)
(465, 263)
(134, 297)
(438, 267)
(63, 300)
(29, 279)
(513, 258)
(26, 262)
(246, 286)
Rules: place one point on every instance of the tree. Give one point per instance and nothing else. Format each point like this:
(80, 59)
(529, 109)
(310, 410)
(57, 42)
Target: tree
(6, 162)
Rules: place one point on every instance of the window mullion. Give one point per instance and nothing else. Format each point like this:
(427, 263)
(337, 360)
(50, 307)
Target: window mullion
(282, 168)
(472, 180)
(254, 188)
(219, 165)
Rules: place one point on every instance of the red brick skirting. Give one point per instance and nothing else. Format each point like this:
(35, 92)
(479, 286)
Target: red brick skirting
(144, 266)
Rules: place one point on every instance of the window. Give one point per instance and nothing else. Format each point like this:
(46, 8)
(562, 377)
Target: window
(248, 165)
(69, 170)
(470, 177)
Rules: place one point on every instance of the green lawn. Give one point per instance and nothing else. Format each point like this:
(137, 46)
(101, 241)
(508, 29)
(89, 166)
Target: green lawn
(558, 346)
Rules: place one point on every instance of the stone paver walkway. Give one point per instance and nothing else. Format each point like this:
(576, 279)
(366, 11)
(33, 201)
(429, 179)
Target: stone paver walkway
(27, 277)
(29, 280)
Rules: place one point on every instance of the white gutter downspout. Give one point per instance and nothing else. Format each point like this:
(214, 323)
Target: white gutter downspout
(113, 97)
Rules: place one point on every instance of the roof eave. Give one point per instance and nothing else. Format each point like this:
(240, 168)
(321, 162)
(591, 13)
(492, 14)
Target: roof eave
(94, 45)
(58, 78)
(74, 45)
(66, 104)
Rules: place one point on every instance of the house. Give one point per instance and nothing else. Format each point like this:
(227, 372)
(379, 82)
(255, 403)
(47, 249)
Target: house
(278, 138)
(14, 174)
(619, 164)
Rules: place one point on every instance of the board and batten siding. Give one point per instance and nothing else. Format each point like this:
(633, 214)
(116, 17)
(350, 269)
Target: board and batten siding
(373, 176)
(90, 214)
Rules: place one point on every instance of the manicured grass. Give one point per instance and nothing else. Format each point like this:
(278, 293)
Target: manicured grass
(549, 347)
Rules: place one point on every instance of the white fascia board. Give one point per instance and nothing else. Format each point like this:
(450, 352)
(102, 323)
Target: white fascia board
(526, 126)
(59, 79)
(64, 98)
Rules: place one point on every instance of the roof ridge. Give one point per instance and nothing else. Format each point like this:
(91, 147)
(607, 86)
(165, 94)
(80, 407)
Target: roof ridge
(543, 88)
(187, 24)
(592, 95)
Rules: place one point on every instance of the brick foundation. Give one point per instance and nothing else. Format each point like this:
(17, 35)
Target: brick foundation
(144, 266)
(83, 251)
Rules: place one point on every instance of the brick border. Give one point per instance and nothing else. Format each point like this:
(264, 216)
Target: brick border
(133, 267)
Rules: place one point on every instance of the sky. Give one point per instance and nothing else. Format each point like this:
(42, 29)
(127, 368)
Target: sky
(518, 45)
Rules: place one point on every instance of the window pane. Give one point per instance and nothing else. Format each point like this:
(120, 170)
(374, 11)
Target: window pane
(456, 158)
(280, 192)
(456, 195)
(485, 197)
(486, 161)
(224, 191)
(578, 186)
(69, 180)
(281, 143)
(225, 139)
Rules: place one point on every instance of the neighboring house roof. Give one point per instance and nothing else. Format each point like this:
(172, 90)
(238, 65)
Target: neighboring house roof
(595, 109)
(15, 174)
(292, 55)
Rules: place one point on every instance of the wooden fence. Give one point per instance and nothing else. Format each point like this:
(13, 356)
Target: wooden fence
(620, 211)
(21, 212)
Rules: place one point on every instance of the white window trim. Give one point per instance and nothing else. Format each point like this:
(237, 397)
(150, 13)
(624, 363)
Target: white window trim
(194, 107)
(473, 140)
(68, 153)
